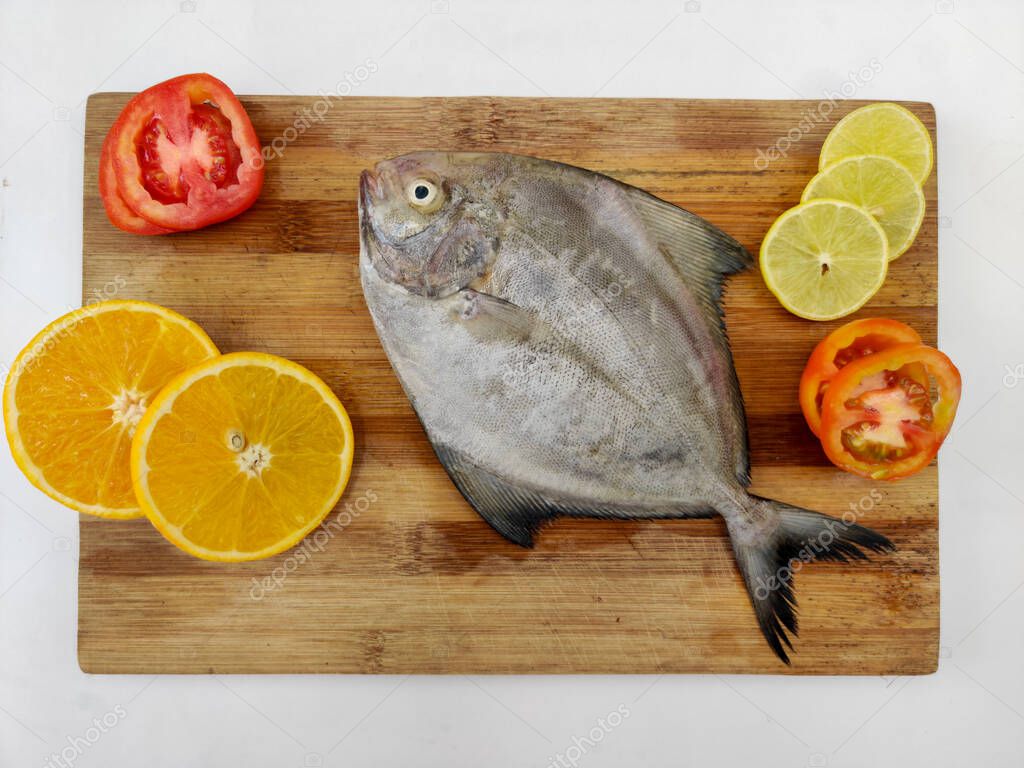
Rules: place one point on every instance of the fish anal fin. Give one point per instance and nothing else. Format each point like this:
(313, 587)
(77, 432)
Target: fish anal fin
(514, 513)
(518, 513)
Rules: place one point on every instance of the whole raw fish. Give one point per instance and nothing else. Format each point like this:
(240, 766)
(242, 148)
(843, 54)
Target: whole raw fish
(560, 336)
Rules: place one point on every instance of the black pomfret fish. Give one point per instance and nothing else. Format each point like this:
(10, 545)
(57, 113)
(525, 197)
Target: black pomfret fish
(560, 336)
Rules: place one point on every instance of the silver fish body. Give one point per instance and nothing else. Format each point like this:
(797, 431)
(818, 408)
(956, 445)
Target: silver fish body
(560, 336)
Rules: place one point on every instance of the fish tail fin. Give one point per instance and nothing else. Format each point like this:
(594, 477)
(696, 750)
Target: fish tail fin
(768, 540)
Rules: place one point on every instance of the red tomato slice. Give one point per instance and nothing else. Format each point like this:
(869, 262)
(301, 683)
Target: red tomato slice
(879, 420)
(185, 154)
(844, 345)
(120, 215)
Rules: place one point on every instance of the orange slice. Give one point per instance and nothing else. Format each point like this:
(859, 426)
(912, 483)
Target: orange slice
(242, 456)
(75, 394)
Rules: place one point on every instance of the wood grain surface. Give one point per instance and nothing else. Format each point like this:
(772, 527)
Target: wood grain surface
(416, 582)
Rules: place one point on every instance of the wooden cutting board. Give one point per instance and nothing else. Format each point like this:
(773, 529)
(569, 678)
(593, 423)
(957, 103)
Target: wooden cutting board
(417, 582)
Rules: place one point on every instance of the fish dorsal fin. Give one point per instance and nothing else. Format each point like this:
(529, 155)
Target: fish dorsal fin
(702, 252)
(518, 513)
(704, 256)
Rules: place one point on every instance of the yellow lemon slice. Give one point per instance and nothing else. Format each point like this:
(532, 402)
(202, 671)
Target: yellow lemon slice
(824, 259)
(240, 457)
(881, 129)
(76, 393)
(882, 187)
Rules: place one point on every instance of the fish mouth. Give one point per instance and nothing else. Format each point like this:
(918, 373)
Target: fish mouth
(370, 191)
(382, 253)
(369, 183)
(373, 191)
(366, 179)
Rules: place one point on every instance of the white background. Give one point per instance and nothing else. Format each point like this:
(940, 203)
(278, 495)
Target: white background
(967, 59)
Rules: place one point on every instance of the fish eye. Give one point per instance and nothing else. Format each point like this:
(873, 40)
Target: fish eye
(422, 192)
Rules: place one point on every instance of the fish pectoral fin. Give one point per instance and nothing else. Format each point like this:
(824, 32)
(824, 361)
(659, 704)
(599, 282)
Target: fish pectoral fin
(487, 316)
(515, 513)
